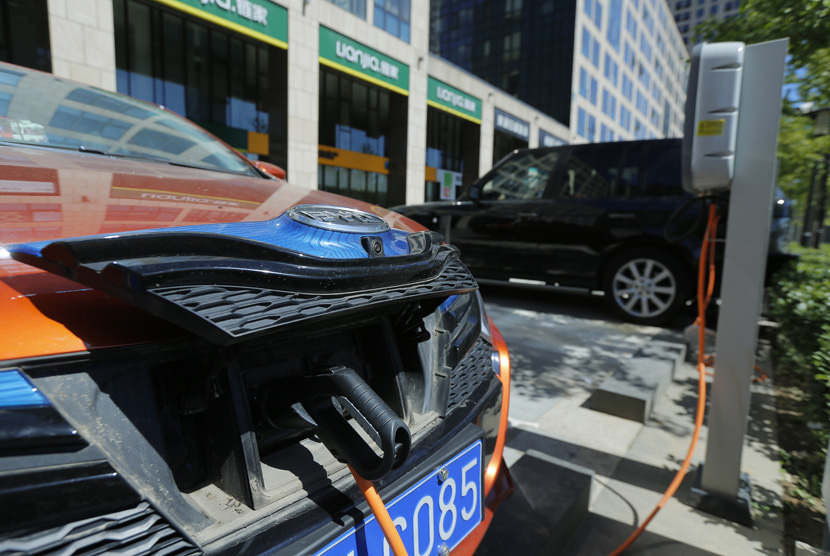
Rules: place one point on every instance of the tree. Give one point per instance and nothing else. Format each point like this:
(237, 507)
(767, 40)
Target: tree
(807, 24)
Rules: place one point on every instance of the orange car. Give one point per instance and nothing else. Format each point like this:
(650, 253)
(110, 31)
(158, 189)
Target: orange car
(192, 351)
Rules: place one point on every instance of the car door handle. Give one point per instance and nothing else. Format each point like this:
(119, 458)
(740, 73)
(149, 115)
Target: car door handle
(528, 214)
(622, 215)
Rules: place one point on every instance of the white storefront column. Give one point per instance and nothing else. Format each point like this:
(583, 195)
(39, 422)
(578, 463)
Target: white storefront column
(416, 140)
(485, 157)
(303, 93)
(82, 38)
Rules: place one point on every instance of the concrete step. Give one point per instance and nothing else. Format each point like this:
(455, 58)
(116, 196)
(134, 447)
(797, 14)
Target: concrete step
(673, 352)
(550, 501)
(632, 391)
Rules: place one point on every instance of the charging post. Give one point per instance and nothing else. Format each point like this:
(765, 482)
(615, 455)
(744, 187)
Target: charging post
(720, 487)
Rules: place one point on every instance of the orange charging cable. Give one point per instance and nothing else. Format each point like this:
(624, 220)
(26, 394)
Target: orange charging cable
(381, 514)
(704, 295)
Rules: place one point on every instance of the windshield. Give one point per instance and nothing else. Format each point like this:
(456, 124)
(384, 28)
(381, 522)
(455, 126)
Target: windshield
(523, 176)
(40, 109)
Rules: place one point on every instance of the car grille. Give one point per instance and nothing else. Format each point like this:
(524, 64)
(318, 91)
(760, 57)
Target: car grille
(241, 310)
(470, 372)
(135, 532)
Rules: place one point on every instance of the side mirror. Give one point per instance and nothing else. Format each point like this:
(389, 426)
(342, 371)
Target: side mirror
(474, 193)
(270, 169)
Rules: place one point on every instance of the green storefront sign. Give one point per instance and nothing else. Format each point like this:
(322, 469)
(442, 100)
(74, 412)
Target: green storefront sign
(260, 19)
(448, 98)
(349, 56)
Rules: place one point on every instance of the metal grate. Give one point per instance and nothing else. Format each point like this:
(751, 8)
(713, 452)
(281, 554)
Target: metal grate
(239, 311)
(473, 369)
(136, 532)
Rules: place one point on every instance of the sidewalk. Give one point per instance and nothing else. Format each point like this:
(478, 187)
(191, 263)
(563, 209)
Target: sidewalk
(633, 463)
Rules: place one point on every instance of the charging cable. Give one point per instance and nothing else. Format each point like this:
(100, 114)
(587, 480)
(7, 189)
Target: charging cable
(381, 514)
(704, 295)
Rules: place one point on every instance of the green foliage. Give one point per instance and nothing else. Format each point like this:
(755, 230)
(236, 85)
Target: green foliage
(805, 22)
(798, 152)
(800, 303)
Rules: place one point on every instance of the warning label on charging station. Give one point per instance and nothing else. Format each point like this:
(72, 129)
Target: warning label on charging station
(709, 128)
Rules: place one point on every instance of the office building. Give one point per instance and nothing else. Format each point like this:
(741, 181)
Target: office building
(608, 69)
(343, 94)
(689, 13)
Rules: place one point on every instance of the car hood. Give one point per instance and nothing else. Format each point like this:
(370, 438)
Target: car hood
(48, 195)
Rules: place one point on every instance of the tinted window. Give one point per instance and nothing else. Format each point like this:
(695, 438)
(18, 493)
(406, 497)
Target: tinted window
(600, 172)
(524, 176)
(661, 171)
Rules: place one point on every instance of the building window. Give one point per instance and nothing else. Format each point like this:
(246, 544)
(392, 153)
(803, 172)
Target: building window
(583, 83)
(611, 68)
(603, 133)
(586, 42)
(609, 104)
(512, 8)
(639, 130)
(580, 123)
(357, 7)
(713, 10)
(229, 84)
(614, 23)
(590, 47)
(642, 104)
(598, 15)
(512, 46)
(625, 118)
(592, 128)
(630, 24)
(393, 17)
(645, 48)
(648, 22)
(627, 87)
(699, 13)
(588, 7)
(644, 76)
(656, 94)
(593, 98)
(629, 56)
(24, 34)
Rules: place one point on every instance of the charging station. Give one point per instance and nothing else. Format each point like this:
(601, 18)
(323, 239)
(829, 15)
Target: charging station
(731, 134)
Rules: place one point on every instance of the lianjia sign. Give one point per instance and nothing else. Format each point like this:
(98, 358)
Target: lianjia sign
(260, 19)
(448, 98)
(354, 58)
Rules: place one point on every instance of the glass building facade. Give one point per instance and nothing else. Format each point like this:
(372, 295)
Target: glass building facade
(590, 64)
(354, 120)
(230, 84)
(393, 17)
(24, 34)
(524, 47)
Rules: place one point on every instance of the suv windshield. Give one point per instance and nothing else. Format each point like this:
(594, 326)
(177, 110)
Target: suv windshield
(40, 109)
(524, 176)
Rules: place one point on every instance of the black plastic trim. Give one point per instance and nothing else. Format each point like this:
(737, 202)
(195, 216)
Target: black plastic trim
(225, 289)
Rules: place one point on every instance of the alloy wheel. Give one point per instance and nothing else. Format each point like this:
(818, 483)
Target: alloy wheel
(644, 288)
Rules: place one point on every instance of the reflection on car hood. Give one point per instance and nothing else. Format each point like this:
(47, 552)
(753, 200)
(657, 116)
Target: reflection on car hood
(47, 195)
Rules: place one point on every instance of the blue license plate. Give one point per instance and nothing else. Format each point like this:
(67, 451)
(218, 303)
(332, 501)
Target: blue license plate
(432, 514)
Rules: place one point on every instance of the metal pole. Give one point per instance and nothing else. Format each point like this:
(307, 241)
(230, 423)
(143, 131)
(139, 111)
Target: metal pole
(747, 239)
(805, 237)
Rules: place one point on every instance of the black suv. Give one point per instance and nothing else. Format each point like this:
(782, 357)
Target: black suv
(592, 217)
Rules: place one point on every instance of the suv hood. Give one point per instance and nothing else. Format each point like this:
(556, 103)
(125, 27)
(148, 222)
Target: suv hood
(47, 195)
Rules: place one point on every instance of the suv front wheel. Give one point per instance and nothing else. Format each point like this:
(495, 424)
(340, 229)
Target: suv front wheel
(645, 286)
